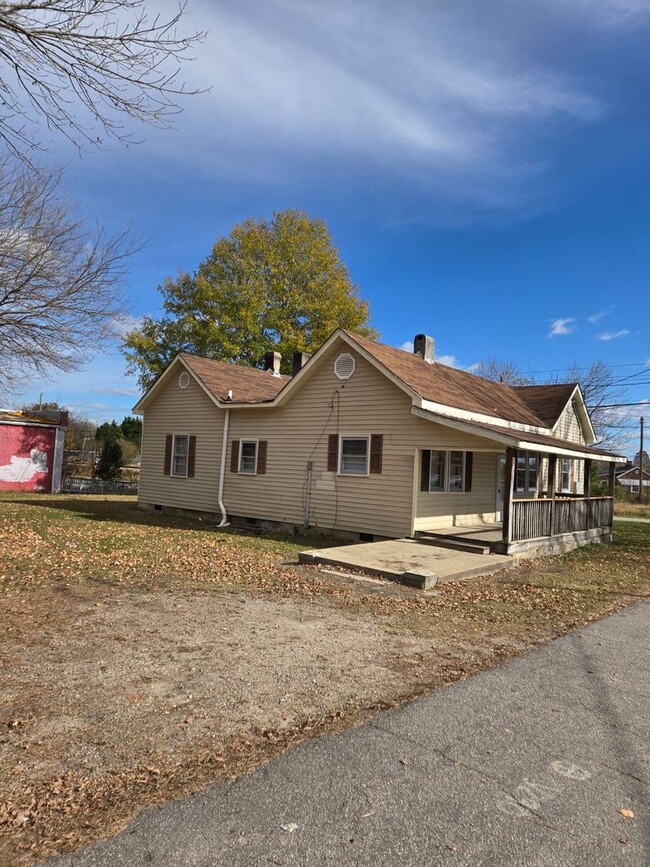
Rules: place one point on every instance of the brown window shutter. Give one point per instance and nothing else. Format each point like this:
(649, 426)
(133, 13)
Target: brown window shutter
(261, 457)
(469, 466)
(332, 453)
(376, 452)
(234, 457)
(168, 454)
(191, 457)
(425, 470)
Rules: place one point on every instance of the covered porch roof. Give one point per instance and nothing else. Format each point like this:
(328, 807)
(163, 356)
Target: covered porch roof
(519, 439)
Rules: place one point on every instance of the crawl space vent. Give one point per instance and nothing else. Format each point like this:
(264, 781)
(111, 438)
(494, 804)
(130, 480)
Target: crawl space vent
(344, 365)
(184, 379)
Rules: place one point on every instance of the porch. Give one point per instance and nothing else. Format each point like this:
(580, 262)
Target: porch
(550, 522)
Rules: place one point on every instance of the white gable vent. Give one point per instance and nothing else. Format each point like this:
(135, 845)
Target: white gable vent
(344, 365)
(184, 379)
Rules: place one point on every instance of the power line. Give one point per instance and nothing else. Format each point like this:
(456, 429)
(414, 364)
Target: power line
(612, 405)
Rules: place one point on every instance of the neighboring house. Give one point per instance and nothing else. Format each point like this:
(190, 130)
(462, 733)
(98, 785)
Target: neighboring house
(630, 479)
(31, 450)
(372, 441)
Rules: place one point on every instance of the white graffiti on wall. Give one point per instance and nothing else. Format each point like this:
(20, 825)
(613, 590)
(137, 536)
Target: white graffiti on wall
(24, 469)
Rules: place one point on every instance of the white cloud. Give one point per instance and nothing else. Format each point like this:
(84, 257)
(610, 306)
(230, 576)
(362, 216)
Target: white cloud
(429, 87)
(129, 392)
(449, 360)
(121, 325)
(407, 346)
(560, 327)
(614, 335)
(596, 317)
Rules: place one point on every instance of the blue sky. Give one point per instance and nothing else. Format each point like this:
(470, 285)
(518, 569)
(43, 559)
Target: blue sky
(483, 168)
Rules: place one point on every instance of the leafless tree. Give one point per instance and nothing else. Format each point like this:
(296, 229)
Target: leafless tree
(501, 371)
(82, 67)
(597, 383)
(60, 282)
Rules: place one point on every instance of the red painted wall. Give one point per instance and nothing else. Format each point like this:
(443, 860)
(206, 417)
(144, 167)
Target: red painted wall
(26, 457)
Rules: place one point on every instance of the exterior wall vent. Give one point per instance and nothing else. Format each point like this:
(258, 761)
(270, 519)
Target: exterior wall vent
(344, 365)
(184, 379)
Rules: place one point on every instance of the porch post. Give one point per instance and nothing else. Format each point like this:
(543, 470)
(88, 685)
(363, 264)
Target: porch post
(509, 483)
(588, 490)
(552, 484)
(612, 488)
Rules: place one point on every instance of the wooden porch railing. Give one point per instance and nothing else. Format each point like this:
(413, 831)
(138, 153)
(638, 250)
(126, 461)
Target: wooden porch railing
(532, 519)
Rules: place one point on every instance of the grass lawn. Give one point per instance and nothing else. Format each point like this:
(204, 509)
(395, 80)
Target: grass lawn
(147, 656)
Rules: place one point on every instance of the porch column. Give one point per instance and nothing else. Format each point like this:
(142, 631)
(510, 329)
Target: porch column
(509, 484)
(552, 485)
(588, 491)
(611, 487)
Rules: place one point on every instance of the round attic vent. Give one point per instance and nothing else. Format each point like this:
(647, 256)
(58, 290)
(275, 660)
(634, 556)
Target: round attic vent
(344, 365)
(184, 379)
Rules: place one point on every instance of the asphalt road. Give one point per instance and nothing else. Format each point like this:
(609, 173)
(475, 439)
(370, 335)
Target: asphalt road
(527, 764)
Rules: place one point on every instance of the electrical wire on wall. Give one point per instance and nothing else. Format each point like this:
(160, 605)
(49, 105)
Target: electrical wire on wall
(334, 404)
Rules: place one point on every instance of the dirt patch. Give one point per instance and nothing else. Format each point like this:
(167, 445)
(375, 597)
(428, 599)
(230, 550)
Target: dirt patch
(145, 657)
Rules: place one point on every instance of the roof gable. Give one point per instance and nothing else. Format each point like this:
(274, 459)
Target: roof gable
(248, 385)
(546, 401)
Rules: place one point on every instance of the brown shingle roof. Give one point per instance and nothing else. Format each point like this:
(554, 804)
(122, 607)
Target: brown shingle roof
(546, 401)
(248, 384)
(453, 387)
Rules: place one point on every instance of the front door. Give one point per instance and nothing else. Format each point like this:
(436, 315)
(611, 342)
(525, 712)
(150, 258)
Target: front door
(501, 483)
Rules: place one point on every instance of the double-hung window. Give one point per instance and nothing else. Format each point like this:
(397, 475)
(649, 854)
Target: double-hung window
(180, 450)
(526, 472)
(248, 457)
(354, 456)
(566, 474)
(180, 455)
(446, 471)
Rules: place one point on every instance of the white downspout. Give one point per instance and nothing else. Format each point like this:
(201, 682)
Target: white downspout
(222, 474)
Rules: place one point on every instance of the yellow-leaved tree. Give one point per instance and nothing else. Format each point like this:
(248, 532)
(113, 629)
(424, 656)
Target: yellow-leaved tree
(269, 285)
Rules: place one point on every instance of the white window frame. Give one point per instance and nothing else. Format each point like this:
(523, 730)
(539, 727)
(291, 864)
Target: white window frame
(173, 459)
(249, 441)
(569, 463)
(527, 488)
(447, 472)
(342, 438)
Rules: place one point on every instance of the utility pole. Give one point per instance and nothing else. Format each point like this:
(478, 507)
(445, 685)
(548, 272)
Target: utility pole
(641, 464)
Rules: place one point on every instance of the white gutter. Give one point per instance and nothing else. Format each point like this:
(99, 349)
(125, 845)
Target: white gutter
(222, 473)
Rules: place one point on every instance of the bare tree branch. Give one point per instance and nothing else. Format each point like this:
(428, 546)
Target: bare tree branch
(60, 283)
(83, 66)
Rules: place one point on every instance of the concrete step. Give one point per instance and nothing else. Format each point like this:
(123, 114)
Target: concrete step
(469, 546)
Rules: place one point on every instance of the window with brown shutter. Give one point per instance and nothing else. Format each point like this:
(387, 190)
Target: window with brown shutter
(234, 457)
(191, 457)
(425, 469)
(332, 453)
(261, 457)
(168, 454)
(469, 466)
(376, 452)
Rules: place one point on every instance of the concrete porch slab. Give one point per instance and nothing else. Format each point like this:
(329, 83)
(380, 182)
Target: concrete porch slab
(407, 560)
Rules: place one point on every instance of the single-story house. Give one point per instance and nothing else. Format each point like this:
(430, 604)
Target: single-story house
(630, 479)
(371, 441)
(31, 450)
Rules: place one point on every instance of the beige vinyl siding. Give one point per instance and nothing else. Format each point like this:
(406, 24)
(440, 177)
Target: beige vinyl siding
(568, 426)
(181, 411)
(439, 509)
(368, 403)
